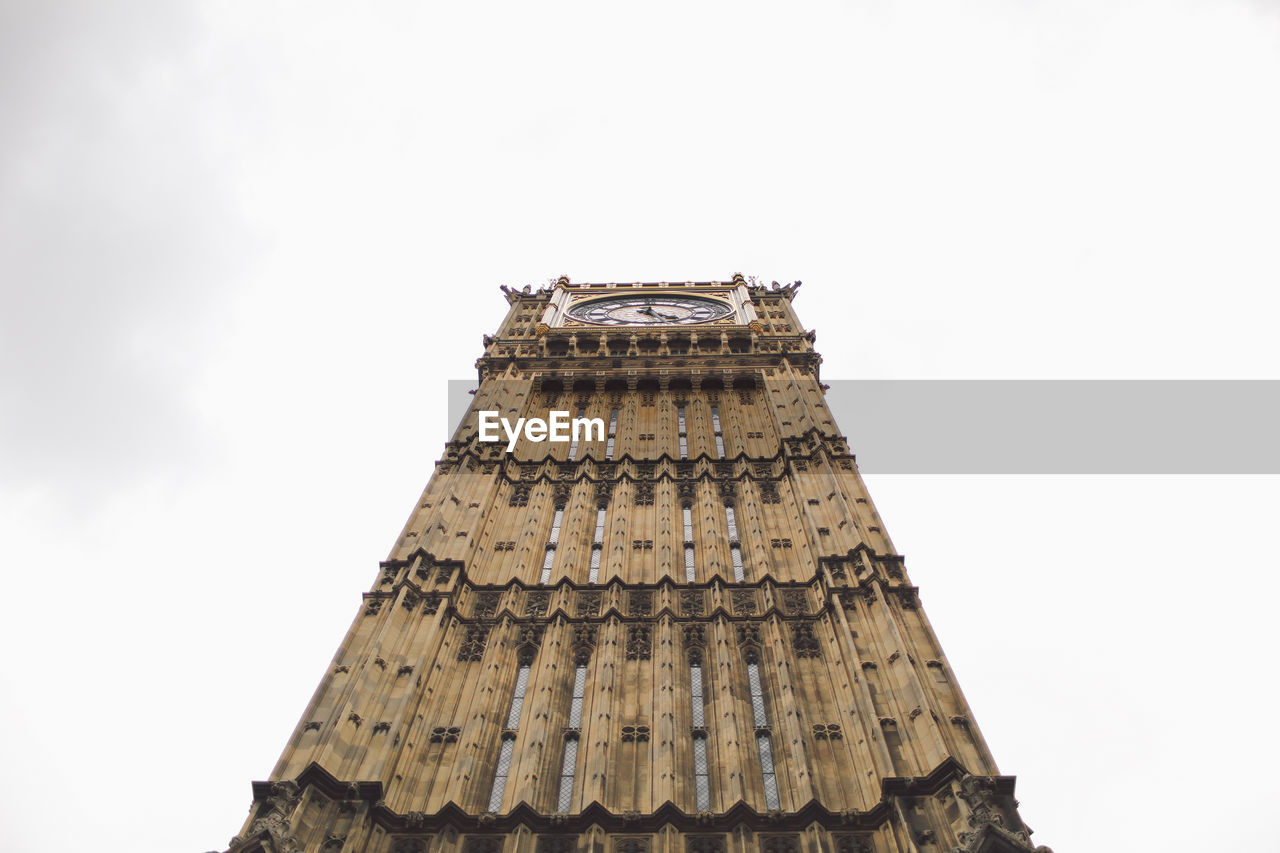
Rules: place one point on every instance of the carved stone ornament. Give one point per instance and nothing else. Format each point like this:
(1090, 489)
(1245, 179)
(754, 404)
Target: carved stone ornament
(445, 734)
(487, 604)
(796, 601)
(557, 843)
(695, 635)
(277, 827)
(472, 647)
(640, 602)
(588, 603)
(530, 635)
(704, 844)
(282, 796)
(584, 642)
(749, 635)
(483, 844)
(780, 844)
(979, 793)
(639, 642)
(409, 845)
(281, 799)
(692, 602)
(631, 844)
(537, 603)
(744, 602)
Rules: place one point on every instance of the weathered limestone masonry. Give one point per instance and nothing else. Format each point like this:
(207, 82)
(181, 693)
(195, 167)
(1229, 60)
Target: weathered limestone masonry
(694, 636)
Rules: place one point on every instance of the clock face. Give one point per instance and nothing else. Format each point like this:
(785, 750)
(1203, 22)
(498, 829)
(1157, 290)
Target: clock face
(657, 310)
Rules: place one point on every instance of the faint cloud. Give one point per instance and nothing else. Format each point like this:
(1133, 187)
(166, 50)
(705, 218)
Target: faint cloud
(120, 242)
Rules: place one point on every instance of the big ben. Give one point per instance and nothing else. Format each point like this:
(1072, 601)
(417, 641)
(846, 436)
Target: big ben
(682, 628)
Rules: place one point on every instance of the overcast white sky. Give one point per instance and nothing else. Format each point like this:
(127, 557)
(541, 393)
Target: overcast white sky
(243, 246)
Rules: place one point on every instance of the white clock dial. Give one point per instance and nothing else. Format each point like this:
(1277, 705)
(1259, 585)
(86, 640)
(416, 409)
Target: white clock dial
(657, 310)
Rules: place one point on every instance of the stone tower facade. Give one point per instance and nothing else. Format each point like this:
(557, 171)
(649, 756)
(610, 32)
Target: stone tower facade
(690, 634)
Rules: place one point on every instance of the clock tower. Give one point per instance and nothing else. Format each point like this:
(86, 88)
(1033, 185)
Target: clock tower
(688, 634)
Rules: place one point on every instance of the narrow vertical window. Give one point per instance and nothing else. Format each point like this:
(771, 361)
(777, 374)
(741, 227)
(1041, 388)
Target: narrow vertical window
(764, 740)
(735, 546)
(613, 433)
(504, 767)
(597, 546)
(570, 761)
(689, 572)
(715, 425)
(517, 699)
(701, 776)
(553, 539)
(684, 436)
(573, 441)
(509, 739)
(701, 781)
(546, 564)
(695, 690)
